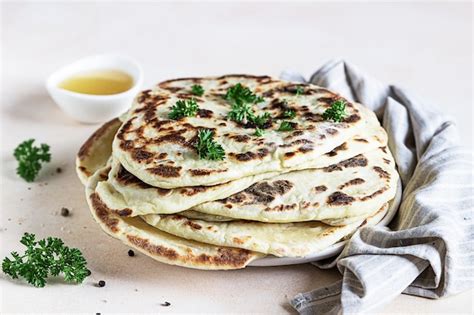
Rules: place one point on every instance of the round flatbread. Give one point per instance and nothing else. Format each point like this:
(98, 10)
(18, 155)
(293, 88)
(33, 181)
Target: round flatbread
(160, 245)
(354, 187)
(131, 196)
(161, 151)
(279, 239)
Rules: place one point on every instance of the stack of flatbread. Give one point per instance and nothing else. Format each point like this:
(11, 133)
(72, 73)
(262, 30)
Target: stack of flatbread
(286, 192)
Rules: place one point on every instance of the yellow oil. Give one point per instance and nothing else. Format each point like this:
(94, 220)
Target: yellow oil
(98, 82)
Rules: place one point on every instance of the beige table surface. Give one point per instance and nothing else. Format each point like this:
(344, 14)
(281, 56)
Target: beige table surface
(426, 47)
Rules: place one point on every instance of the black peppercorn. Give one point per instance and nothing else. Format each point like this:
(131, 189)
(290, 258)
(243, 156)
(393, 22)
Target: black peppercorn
(131, 253)
(64, 212)
(101, 283)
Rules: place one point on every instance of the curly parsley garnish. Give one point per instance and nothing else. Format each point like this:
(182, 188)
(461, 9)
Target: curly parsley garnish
(259, 132)
(261, 120)
(289, 113)
(207, 148)
(184, 108)
(239, 95)
(43, 258)
(286, 126)
(299, 90)
(197, 90)
(29, 159)
(241, 113)
(336, 112)
(242, 99)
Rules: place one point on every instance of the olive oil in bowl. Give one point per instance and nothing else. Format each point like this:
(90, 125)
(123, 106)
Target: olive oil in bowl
(98, 82)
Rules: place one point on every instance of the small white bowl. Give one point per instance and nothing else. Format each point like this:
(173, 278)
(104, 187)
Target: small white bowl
(89, 108)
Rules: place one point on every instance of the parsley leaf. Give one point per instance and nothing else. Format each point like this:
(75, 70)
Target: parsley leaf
(30, 158)
(286, 126)
(241, 99)
(43, 258)
(207, 148)
(299, 90)
(261, 120)
(289, 113)
(241, 113)
(197, 90)
(259, 132)
(239, 95)
(336, 112)
(184, 108)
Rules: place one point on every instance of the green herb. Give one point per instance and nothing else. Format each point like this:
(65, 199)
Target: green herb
(43, 258)
(285, 126)
(184, 108)
(261, 120)
(241, 113)
(299, 90)
(207, 148)
(241, 99)
(259, 132)
(336, 112)
(239, 95)
(290, 113)
(30, 158)
(197, 90)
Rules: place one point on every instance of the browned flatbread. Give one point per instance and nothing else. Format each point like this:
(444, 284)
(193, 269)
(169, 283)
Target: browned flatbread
(160, 151)
(160, 245)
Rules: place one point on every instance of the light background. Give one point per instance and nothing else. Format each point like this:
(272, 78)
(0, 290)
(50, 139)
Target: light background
(426, 47)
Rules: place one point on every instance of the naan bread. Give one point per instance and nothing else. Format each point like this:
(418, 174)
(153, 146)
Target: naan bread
(162, 246)
(279, 239)
(130, 196)
(95, 152)
(161, 153)
(134, 232)
(354, 187)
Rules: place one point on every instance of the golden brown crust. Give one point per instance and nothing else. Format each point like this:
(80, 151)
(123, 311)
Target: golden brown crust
(85, 149)
(103, 213)
(352, 182)
(217, 257)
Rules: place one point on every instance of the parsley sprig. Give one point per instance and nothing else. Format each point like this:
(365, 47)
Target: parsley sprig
(259, 132)
(241, 113)
(261, 120)
(43, 258)
(239, 95)
(197, 90)
(299, 90)
(207, 148)
(184, 108)
(286, 126)
(30, 158)
(289, 113)
(242, 98)
(336, 112)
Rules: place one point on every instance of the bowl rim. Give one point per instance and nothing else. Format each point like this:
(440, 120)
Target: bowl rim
(61, 73)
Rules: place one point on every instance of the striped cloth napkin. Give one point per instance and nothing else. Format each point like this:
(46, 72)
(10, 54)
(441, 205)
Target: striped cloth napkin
(428, 249)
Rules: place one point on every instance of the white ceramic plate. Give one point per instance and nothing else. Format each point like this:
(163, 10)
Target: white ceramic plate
(333, 250)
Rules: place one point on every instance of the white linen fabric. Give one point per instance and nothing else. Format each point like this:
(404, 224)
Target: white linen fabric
(427, 250)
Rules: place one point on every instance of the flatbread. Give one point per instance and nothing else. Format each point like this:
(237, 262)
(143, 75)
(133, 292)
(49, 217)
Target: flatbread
(130, 196)
(95, 152)
(161, 153)
(354, 187)
(279, 239)
(162, 246)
